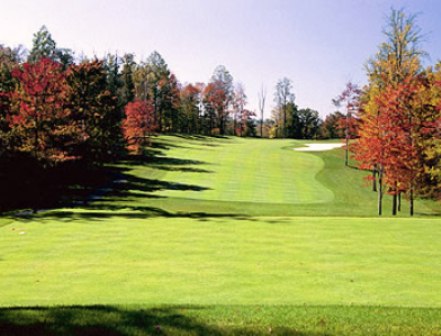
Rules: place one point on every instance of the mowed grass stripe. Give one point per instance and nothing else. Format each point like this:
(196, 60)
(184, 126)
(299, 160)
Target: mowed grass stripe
(262, 260)
(250, 171)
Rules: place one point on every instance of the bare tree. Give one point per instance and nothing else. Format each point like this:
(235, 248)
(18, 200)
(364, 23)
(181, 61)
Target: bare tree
(262, 97)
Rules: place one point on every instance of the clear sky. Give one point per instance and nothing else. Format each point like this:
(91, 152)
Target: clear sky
(319, 44)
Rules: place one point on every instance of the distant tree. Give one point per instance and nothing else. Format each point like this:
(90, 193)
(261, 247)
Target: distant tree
(214, 98)
(170, 103)
(93, 106)
(283, 96)
(350, 98)
(44, 46)
(262, 97)
(158, 76)
(222, 95)
(239, 115)
(190, 108)
(247, 124)
(309, 122)
(138, 124)
(112, 144)
(154, 81)
(330, 128)
(127, 89)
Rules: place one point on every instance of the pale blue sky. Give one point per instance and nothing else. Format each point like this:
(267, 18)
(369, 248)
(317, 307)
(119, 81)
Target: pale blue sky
(319, 44)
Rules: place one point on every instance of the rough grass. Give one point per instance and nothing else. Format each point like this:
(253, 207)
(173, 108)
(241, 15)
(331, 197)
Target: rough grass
(219, 320)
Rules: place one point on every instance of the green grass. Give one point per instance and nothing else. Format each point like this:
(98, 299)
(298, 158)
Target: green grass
(172, 250)
(219, 320)
(264, 260)
(250, 170)
(202, 171)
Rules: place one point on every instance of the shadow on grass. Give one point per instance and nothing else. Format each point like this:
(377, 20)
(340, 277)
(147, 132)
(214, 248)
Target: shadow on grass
(133, 212)
(27, 186)
(116, 321)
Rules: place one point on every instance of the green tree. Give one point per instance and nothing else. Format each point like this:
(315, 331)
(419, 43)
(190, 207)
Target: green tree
(8, 61)
(44, 46)
(330, 128)
(127, 90)
(283, 97)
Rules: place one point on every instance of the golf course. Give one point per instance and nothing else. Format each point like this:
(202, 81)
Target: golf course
(223, 236)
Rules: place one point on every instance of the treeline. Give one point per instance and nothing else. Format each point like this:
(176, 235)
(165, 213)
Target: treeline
(398, 117)
(290, 121)
(54, 108)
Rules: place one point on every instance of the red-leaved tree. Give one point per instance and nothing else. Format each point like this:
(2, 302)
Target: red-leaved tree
(139, 123)
(40, 114)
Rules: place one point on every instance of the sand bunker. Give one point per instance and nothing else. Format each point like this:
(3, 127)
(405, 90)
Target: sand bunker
(318, 147)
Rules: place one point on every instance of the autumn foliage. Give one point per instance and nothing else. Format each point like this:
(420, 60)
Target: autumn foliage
(39, 111)
(138, 124)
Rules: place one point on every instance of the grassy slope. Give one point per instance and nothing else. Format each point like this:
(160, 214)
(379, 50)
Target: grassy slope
(201, 164)
(243, 267)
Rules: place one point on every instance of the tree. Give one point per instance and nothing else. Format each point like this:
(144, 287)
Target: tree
(127, 90)
(222, 95)
(40, 114)
(138, 124)
(283, 96)
(350, 97)
(112, 142)
(239, 115)
(9, 59)
(170, 103)
(94, 107)
(247, 123)
(400, 55)
(394, 72)
(308, 123)
(330, 128)
(157, 79)
(44, 46)
(154, 81)
(214, 100)
(262, 97)
(190, 112)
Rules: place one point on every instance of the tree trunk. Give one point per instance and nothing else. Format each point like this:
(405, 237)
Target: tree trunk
(380, 192)
(261, 127)
(374, 179)
(284, 121)
(394, 202)
(399, 201)
(347, 151)
(411, 201)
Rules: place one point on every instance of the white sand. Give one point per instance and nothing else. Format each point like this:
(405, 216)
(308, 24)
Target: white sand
(318, 147)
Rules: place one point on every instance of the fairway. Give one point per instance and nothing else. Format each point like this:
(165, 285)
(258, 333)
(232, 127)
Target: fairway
(241, 170)
(214, 223)
(269, 261)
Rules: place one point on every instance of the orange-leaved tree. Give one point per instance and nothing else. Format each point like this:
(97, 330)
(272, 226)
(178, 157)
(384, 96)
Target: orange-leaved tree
(138, 124)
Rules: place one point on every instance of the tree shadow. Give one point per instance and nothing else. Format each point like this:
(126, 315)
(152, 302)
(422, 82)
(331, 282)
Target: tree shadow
(119, 321)
(30, 187)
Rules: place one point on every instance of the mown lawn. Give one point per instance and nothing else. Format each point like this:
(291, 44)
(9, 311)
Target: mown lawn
(168, 249)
